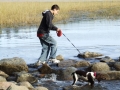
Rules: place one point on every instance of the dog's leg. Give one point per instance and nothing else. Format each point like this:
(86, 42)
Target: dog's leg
(91, 80)
(75, 78)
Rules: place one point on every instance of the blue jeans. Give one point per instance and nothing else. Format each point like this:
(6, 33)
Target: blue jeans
(49, 47)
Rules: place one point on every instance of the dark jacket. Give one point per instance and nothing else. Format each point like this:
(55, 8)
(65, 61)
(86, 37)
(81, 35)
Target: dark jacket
(46, 23)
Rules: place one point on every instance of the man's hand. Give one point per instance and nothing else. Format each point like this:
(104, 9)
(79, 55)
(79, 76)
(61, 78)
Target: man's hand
(59, 32)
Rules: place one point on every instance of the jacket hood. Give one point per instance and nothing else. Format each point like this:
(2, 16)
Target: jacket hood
(43, 13)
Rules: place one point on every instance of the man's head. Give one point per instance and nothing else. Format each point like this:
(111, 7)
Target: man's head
(55, 9)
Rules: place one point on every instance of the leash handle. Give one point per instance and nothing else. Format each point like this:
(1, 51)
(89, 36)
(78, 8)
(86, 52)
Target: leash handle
(71, 43)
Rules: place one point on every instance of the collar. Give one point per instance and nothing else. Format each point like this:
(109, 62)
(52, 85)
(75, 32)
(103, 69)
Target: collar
(95, 74)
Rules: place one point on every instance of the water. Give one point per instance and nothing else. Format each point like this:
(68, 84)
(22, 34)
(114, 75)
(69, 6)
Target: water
(96, 36)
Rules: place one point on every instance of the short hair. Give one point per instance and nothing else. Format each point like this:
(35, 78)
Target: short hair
(55, 6)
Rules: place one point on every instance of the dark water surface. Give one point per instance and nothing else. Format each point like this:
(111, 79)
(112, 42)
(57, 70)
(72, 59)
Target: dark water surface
(96, 36)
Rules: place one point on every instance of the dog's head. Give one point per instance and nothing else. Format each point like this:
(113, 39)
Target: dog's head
(100, 77)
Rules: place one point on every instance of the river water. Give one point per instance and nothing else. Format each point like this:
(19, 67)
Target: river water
(100, 36)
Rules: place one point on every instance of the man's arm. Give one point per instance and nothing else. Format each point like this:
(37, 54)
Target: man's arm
(49, 23)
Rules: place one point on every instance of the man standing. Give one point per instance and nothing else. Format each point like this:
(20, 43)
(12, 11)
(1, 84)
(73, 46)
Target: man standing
(49, 45)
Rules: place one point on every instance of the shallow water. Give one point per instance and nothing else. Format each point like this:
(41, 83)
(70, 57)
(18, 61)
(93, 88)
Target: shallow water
(96, 36)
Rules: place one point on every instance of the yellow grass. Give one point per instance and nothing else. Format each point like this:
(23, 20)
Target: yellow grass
(29, 13)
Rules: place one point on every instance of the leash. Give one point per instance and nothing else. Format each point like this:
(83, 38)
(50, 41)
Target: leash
(72, 43)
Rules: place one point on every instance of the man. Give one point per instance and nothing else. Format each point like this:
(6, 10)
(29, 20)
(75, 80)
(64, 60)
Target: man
(49, 45)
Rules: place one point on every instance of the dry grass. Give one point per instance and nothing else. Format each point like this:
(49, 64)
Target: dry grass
(29, 13)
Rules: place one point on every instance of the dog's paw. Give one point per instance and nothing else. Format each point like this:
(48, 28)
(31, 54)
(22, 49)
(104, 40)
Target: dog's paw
(74, 85)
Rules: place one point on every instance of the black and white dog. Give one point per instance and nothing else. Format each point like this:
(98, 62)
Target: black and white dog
(86, 76)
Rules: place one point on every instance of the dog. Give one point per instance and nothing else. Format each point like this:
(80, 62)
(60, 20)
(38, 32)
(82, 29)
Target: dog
(86, 76)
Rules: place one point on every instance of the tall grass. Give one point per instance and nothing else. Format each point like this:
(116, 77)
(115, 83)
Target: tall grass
(29, 13)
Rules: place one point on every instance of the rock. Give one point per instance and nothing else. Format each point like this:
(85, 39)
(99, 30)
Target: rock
(83, 87)
(60, 57)
(24, 76)
(88, 54)
(5, 85)
(27, 84)
(117, 66)
(3, 74)
(106, 59)
(67, 63)
(65, 74)
(40, 88)
(2, 79)
(111, 75)
(11, 65)
(45, 69)
(82, 64)
(15, 87)
(100, 67)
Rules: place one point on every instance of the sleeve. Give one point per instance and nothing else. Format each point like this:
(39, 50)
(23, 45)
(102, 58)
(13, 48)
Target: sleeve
(49, 22)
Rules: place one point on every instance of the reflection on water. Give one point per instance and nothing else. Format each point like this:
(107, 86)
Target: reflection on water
(99, 36)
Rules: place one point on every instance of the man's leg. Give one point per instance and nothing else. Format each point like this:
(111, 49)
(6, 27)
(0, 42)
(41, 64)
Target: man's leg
(45, 51)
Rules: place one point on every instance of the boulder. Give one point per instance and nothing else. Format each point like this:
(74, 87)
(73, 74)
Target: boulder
(3, 74)
(40, 88)
(106, 59)
(65, 74)
(82, 64)
(11, 65)
(24, 76)
(111, 75)
(60, 57)
(2, 79)
(15, 87)
(100, 66)
(88, 54)
(45, 69)
(27, 84)
(67, 63)
(117, 66)
(5, 85)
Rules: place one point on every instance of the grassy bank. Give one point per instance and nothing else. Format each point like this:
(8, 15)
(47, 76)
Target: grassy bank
(29, 13)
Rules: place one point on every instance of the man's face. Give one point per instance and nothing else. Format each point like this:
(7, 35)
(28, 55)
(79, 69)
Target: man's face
(55, 11)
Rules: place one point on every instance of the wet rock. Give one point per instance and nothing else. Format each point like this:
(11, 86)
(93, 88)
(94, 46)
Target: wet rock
(42, 75)
(45, 69)
(117, 66)
(27, 84)
(65, 74)
(82, 64)
(24, 76)
(15, 87)
(11, 65)
(84, 87)
(3, 74)
(60, 57)
(5, 85)
(40, 88)
(67, 63)
(88, 54)
(111, 75)
(100, 67)
(106, 59)
(2, 79)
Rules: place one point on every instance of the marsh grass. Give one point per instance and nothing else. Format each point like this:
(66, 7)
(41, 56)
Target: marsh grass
(29, 13)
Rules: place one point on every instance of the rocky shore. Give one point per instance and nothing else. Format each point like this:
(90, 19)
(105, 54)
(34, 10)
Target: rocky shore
(15, 74)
